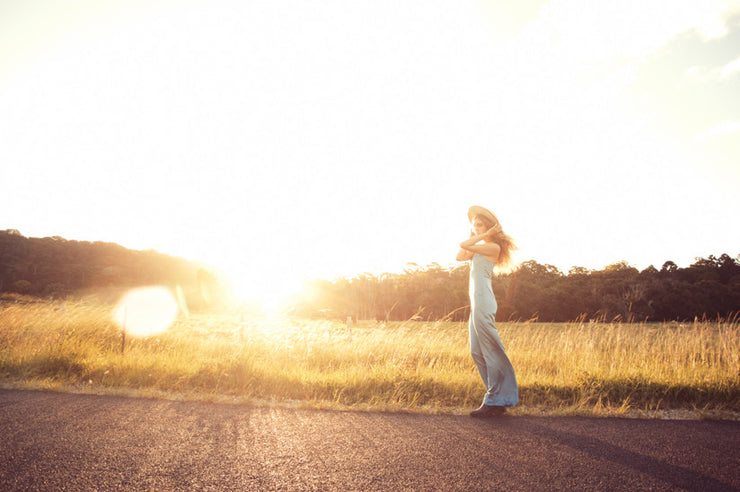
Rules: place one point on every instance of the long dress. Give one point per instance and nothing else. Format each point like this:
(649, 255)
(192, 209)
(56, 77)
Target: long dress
(485, 344)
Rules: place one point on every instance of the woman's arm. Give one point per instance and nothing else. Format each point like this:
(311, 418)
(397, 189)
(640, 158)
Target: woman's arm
(490, 250)
(464, 255)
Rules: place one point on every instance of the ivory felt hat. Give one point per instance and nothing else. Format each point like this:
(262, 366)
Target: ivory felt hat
(482, 212)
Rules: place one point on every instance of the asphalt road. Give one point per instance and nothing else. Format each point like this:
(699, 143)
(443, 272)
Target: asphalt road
(56, 441)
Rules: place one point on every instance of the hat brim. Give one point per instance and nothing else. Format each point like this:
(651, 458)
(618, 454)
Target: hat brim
(482, 212)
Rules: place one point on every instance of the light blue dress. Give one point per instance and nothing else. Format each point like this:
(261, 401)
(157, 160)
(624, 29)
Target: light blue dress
(485, 344)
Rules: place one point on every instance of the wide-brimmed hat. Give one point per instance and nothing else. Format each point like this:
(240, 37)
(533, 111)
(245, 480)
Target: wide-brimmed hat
(481, 212)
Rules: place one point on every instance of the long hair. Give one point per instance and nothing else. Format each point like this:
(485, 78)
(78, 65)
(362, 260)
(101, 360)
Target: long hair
(504, 262)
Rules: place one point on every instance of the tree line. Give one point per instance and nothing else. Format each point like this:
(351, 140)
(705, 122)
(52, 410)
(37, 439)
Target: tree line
(710, 287)
(54, 267)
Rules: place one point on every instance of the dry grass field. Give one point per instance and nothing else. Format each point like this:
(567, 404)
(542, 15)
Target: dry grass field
(562, 368)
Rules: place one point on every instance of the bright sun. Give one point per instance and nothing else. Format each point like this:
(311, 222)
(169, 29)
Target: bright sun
(264, 285)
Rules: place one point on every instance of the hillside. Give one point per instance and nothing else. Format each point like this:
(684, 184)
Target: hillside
(57, 267)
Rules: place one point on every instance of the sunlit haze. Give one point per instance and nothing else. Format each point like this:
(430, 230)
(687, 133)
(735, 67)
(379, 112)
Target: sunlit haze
(288, 140)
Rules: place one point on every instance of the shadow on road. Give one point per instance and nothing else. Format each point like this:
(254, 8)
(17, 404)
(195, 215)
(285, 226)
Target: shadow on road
(678, 476)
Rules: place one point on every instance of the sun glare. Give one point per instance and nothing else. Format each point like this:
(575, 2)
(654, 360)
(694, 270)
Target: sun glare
(146, 311)
(269, 289)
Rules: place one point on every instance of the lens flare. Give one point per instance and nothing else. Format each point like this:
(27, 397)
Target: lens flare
(146, 311)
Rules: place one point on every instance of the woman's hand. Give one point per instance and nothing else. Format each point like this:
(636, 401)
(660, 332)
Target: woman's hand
(494, 230)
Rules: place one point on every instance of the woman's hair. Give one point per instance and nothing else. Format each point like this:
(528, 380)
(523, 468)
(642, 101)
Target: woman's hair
(504, 262)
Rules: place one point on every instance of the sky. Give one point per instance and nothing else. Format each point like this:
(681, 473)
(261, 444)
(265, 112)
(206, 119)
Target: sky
(286, 140)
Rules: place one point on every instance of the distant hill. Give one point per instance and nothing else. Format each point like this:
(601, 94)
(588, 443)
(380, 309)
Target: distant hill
(57, 267)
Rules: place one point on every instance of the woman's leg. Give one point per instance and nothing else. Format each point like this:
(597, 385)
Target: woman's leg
(501, 387)
(477, 352)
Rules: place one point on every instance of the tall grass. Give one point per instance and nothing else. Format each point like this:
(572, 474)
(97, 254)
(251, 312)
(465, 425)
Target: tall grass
(575, 367)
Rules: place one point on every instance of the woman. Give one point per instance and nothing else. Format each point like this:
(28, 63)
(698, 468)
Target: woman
(487, 247)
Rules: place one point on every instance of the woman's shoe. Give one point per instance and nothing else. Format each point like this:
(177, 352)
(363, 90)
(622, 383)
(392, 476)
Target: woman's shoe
(488, 411)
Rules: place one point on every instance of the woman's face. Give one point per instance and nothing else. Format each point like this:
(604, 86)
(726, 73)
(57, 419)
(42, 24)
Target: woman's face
(479, 227)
